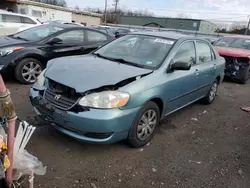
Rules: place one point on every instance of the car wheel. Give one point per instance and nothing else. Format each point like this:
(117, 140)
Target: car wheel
(144, 125)
(27, 70)
(245, 76)
(211, 94)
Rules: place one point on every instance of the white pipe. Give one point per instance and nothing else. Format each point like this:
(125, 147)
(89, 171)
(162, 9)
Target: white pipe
(25, 138)
(28, 137)
(18, 138)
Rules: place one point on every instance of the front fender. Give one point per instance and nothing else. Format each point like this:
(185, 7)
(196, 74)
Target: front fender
(141, 98)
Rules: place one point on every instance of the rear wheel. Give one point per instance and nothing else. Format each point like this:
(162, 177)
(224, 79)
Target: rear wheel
(212, 93)
(27, 70)
(144, 125)
(245, 76)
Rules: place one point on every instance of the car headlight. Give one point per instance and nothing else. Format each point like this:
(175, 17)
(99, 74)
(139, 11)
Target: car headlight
(41, 79)
(7, 51)
(105, 99)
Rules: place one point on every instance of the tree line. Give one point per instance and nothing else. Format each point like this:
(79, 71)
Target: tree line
(112, 15)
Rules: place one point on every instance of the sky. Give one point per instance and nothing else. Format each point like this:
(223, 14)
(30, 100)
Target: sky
(220, 10)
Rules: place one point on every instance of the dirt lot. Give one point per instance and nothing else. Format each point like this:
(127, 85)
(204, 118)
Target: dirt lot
(213, 151)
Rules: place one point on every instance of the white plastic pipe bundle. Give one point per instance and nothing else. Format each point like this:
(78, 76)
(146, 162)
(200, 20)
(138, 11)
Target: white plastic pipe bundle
(23, 136)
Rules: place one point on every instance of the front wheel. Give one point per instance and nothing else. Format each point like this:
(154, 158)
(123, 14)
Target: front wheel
(211, 94)
(27, 70)
(144, 125)
(245, 76)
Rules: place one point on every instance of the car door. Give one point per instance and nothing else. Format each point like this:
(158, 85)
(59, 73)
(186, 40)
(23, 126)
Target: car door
(10, 24)
(206, 66)
(72, 43)
(95, 39)
(181, 85)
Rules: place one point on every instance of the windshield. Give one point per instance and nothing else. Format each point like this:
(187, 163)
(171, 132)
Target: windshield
(37, 33)
(140, 50)
(233, 42)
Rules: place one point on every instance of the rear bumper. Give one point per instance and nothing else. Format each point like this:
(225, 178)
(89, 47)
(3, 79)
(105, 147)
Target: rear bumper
(94, 126)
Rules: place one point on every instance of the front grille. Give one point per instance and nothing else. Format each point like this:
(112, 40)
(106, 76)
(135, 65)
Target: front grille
(229, 60)
(59, 101)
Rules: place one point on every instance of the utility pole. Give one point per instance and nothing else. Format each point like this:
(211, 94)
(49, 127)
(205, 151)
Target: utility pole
(246, 32)
(116, 5)
(105, 12)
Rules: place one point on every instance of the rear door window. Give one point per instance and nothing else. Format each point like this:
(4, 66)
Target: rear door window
(72, 37)
(27, 20)
(11, 18)
(95, 37)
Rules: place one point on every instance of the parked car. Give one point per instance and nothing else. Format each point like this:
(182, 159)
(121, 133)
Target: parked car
(11, 23)
(236, 51)
(211, 39)
(26, 53)
(123, 89)
(105, 30)
(121, 32)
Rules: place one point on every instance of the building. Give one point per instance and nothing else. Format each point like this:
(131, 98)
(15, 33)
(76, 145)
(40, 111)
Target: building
(45, 12)
(173, 23)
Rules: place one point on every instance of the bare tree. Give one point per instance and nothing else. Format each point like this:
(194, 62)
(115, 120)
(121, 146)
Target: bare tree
(61, 3)
(111, 18)
(77, 7)
(182, 15)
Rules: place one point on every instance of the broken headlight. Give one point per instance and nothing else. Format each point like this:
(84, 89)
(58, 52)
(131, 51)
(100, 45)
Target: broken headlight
(105, 99)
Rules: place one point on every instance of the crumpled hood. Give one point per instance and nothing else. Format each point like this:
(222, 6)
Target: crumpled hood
(7, 41)
(233, 52)
(88, 72)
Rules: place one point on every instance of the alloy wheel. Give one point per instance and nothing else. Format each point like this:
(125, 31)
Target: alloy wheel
(31, 71)
(146, 125)
(213, 91)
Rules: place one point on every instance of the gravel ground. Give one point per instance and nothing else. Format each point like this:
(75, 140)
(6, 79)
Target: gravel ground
(200, 146)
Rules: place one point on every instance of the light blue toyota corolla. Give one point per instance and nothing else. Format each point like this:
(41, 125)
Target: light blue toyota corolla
(123, 89)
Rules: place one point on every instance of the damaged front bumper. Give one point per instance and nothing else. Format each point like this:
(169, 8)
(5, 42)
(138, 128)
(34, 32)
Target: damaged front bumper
(236, 67)
(93, 126)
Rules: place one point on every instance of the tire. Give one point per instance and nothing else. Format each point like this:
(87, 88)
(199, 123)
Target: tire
(26, 65)
(245, 76)
(211, 94)
(136, 138)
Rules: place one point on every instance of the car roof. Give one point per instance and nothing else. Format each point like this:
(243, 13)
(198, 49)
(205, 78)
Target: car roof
(65, 25)
(238, 36)
(15, 14)
(164, 34)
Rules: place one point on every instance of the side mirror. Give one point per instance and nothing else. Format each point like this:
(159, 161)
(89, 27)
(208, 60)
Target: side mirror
(55, 41)
(116, 34)
(179, 65)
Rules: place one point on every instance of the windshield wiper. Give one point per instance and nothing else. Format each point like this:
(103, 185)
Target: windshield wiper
(123, 61)
(119, 60)
(20, 38)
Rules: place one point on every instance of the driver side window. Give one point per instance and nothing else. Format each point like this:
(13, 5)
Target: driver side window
(186, 53)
